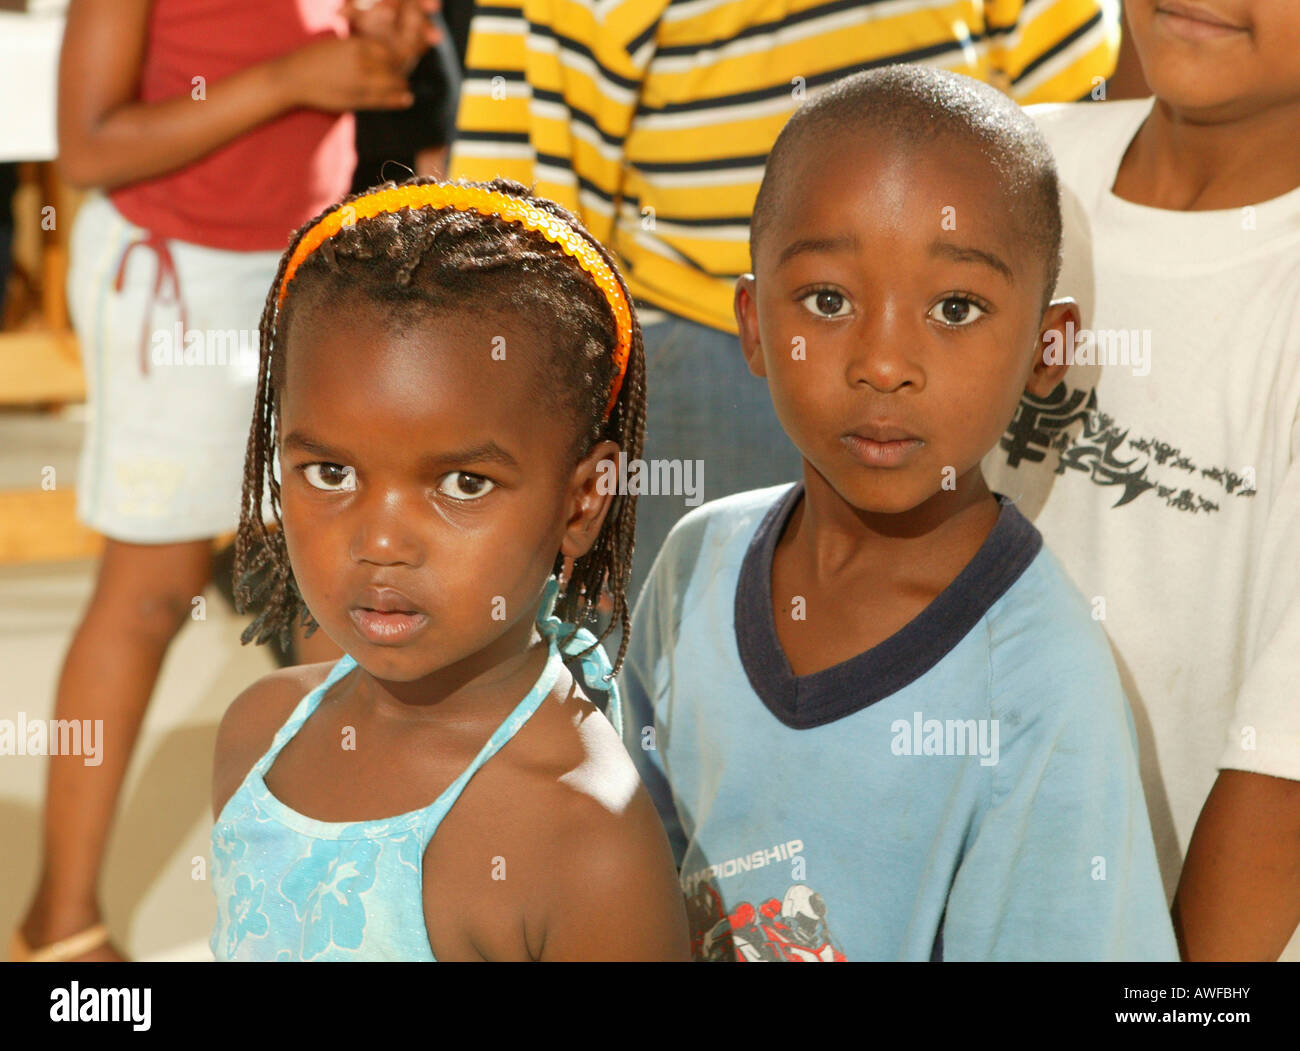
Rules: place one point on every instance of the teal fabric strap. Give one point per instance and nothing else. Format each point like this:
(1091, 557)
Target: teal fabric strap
(596, 669)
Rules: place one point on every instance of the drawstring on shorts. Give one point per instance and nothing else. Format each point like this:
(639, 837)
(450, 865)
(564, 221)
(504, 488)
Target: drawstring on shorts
(166, 270)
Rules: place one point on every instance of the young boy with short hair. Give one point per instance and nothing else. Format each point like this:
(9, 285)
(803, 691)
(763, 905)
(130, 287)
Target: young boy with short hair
(1165, 469)
(876, 717)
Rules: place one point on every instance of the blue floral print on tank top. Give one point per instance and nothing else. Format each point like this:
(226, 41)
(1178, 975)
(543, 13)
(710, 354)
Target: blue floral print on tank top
(290, 887)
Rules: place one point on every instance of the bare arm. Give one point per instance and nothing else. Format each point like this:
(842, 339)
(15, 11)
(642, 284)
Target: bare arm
(108, 138)
(1239, 895)
(621, 899)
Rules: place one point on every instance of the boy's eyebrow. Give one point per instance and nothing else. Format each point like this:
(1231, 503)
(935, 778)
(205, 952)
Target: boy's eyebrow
(964, 254)
(958, 253)
(485, 452)
(817, 244)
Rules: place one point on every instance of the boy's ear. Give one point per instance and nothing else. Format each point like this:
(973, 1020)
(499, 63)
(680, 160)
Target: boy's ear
(746, 307)
(1055, 349)
(591, 493)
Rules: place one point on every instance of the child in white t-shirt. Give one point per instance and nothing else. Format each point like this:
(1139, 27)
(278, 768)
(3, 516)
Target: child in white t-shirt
(1164, 471)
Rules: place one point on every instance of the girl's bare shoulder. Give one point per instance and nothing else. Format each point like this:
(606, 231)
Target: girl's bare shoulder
(251, 721)
(584, 789)
(562, 804)
(600, 839)
(577, 755)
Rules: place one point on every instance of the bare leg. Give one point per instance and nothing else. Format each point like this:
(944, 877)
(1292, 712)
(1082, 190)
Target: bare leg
(142, 597)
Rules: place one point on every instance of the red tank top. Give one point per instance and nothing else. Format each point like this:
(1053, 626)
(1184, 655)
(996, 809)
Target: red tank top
(253, 192)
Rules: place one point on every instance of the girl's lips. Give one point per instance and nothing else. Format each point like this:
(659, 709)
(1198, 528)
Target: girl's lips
(386, 628)
(874, 453)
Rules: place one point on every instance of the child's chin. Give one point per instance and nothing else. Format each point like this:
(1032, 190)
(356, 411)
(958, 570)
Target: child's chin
(1199, 85)
(892, 493)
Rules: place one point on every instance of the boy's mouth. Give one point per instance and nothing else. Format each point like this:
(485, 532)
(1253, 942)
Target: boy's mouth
(881, 445)
(1194, 22)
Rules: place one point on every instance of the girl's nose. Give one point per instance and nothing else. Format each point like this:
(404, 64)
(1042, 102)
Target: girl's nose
(384, 535)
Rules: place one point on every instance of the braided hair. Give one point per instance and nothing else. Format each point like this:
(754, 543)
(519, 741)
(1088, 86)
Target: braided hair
(418, 263)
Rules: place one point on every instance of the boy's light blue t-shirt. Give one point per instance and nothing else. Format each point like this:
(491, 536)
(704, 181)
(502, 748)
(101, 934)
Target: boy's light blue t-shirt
(966, 790)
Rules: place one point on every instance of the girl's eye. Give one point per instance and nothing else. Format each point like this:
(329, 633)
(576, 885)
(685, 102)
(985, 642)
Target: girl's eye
(461, 485)
(333, 477)
(956, 311)
(827, 303)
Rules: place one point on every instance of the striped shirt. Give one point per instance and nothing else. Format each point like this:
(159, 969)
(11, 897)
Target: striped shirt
(652, 119)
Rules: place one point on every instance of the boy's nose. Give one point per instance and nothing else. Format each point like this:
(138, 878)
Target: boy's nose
(884, 355)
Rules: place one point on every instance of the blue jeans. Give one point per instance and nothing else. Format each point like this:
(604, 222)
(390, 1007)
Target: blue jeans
(703, 405)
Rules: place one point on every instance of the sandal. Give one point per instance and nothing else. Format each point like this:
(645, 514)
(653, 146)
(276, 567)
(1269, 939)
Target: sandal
(64, 949)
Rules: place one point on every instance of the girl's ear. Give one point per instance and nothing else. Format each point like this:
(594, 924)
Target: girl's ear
(1056, 335)
(591, 493)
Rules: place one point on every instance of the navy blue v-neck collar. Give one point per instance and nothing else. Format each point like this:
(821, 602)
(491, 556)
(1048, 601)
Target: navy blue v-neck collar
(802, 702)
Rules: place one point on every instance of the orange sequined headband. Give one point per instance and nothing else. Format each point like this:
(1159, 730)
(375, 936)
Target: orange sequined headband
(485, 202)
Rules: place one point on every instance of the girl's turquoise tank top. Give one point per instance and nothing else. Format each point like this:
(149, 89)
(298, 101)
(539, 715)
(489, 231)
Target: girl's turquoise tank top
(290, 887)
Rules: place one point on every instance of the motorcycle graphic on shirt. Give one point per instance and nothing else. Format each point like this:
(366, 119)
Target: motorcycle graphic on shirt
(792, 930)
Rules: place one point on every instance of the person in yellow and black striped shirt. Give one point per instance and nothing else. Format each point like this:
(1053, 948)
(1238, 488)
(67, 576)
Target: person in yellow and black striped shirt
(652, 120)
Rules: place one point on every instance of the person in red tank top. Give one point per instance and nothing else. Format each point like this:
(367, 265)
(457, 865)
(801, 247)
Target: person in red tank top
(250, 192)
(207, 131)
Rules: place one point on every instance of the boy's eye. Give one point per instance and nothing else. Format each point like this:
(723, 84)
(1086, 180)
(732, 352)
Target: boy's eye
(956, 311)
(332, 475)
(461, 485)
(826, 303)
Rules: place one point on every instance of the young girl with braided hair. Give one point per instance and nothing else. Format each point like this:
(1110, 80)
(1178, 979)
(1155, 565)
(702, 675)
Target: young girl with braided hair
(444, 367)
(204, 132)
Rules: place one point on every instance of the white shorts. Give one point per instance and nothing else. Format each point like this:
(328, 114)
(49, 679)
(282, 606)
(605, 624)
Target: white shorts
(168, 408)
